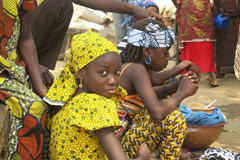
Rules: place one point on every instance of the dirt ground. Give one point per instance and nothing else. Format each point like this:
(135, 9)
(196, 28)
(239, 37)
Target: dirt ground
(228, 94)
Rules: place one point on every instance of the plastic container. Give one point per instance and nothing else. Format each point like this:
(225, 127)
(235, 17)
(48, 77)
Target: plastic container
(221, 21)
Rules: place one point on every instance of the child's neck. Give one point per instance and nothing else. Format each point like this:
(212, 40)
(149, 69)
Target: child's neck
(79, 91)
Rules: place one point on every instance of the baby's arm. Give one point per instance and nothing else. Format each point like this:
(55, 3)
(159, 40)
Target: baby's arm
(113, 148)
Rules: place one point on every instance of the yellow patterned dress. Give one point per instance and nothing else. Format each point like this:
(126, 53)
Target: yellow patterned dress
(73, 128)
(27, 111)
(167, 134)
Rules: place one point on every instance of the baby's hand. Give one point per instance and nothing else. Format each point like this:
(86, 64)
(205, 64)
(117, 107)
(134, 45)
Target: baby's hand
(143, 152)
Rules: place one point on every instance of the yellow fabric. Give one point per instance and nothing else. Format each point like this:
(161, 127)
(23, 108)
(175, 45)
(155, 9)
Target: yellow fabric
(10, 60)
(85, 48)
(167, 134)
(72, 132)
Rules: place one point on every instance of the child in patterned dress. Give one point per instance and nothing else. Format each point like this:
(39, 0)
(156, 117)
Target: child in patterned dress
(156, 123)
(87, 90)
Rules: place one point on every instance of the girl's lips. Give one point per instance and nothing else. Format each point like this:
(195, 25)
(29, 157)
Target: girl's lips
(111, 91)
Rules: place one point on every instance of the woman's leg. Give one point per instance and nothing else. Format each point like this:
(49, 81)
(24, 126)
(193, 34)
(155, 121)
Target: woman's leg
(28, 134)
(144, 130)
(167, 134)
(172, 137)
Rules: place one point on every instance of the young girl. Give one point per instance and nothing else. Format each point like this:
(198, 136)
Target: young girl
(157, 123)
(83, 128)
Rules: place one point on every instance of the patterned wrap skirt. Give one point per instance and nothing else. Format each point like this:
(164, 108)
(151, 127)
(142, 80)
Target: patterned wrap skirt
(167, 135)
(29, 132)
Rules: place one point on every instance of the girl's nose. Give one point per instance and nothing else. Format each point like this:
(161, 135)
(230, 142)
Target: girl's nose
(168, 56)
(112, 80)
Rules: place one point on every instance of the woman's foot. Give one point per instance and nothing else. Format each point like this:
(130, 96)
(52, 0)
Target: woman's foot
(212, 82)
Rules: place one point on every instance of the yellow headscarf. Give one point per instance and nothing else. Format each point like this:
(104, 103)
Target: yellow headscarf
(85, 48)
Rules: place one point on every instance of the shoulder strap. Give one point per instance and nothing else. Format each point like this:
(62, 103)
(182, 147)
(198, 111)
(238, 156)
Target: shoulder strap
(125, 68)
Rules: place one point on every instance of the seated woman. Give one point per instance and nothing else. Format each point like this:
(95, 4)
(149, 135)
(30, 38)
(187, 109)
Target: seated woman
(158, 123)
(28, 125)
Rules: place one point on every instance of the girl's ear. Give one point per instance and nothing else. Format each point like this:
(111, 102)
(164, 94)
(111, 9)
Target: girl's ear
(146, 51)
(80, 74)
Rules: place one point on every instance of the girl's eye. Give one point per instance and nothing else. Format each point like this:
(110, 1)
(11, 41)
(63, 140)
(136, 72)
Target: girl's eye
(103, 73)
(118, 72)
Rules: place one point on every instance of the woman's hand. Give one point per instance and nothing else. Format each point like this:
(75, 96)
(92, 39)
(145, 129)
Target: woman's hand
(187, 87)
(140, 13)
(192, 67)
(40, 90)
(193, 77)
(47, 76)
(220, 8)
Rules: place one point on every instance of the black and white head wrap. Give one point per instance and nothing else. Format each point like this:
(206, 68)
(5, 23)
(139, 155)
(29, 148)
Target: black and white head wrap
(154, 36)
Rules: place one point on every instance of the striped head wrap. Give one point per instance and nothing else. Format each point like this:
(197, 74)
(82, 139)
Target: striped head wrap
(154, 36)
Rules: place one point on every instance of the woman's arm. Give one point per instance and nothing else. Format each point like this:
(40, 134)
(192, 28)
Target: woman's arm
(220, 6)
(28, 53)
(157, 78)
(120, 7)
(164, 90)
(113, 148)
(137, 76)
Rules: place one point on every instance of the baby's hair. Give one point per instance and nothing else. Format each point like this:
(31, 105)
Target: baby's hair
(133, 53)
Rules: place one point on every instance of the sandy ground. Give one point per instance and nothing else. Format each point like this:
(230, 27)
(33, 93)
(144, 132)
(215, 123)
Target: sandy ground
(228, 94)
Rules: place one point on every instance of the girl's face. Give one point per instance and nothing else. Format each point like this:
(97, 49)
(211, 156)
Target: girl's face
(102, 75)
(160, 57)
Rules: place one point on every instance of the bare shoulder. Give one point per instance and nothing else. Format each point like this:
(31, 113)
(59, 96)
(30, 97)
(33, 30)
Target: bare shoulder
(133, 66)
(134, 69)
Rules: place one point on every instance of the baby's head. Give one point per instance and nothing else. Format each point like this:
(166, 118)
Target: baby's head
(148, 43)
(145, 4)
(96, 63)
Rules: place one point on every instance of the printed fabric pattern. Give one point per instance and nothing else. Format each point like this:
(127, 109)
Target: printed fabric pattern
(194, 18)
(219, 153)
(9, 33)
(29, 130)
(142, 4)
(167, 135)
(73, 128)
(28, 134)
